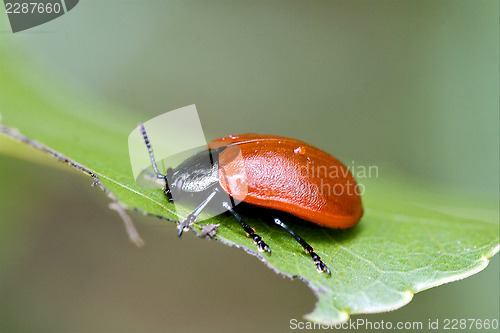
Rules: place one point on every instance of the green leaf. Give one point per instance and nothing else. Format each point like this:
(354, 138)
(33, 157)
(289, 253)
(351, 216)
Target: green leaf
(410, 239)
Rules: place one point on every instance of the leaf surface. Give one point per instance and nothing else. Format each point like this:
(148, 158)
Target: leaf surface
(409, 239)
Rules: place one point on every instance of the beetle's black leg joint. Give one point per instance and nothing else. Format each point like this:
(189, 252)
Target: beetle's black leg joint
(320, 265)
(250, 232)
(260, 243)
(184, 225)
(168, 193)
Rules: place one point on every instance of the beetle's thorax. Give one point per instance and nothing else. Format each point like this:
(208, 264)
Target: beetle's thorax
(197, 174)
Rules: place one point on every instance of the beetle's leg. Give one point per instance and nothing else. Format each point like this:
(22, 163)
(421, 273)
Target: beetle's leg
(248, 230)
(166, 189)
(320, 266)
(191, 218)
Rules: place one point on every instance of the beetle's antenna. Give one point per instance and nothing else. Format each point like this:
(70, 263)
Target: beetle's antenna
(150, 150)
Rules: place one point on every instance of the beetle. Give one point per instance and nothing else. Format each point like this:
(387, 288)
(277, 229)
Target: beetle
(282, 174)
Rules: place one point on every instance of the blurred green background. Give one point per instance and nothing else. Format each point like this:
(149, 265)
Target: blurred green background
(412, 87)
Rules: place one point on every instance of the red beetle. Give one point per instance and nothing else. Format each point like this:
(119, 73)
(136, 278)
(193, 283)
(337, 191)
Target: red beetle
(280, 173)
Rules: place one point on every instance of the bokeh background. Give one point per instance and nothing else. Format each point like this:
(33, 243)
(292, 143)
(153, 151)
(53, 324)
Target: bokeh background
(411, 87)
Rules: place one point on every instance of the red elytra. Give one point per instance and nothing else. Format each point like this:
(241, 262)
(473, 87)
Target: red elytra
(291, 176)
